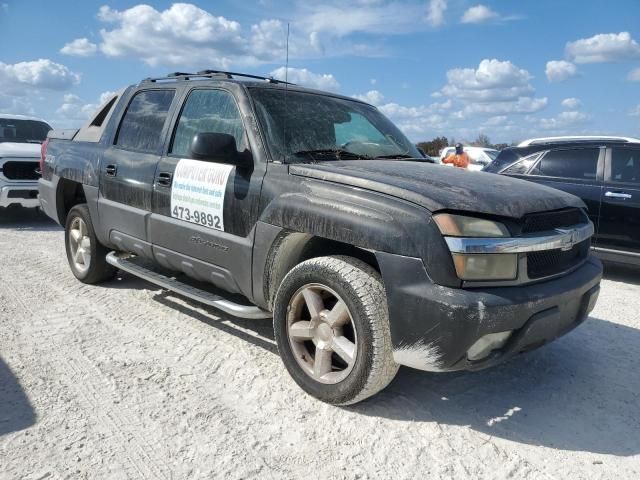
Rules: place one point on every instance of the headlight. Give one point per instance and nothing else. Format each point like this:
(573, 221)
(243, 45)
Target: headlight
(499, 266)
(461, 226)
(478, 267)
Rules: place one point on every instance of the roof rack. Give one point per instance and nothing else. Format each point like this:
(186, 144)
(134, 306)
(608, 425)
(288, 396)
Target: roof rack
(211, 74)
(578, 139)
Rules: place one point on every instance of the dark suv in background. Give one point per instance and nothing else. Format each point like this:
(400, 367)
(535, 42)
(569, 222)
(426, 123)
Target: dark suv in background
(603, 171)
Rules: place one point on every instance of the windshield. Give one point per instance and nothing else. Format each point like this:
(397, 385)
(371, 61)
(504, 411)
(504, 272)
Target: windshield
(308, 127)
(23, 131)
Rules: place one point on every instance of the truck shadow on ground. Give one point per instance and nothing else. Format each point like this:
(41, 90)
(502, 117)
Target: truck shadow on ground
(257, 332)
(622, 273)
(579, 393)
(16, 412)
(18, 218)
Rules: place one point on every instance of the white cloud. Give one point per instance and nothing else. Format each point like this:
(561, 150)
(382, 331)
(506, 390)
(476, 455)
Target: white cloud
(635, 112)
(302, 76)
(74, 111)
(634, 75)
(493, 80)
(496, 88)
(519, 105)
(435, 12)
(478, 14)
(496, 121)
(571, 103)
(563, 122)
(560, 70)
(5, 7)
(186, 35)
(344, 17)
(80, 47)
(374, 97)
(604, 47)
(18, 79)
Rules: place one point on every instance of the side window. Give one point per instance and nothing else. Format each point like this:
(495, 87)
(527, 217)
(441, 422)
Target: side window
(522, 166)
(141, 126)
(212, 111)
(579, 163)
(625, 165)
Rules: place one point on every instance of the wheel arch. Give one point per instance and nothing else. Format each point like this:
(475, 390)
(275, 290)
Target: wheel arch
(69, 193)
(292, 248)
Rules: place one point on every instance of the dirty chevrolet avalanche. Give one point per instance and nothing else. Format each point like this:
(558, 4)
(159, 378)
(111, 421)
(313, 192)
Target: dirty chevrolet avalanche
(264, 199)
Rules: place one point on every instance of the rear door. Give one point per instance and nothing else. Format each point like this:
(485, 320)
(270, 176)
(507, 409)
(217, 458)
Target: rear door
(204, 212)
(128, 167)
(620, 214)
(577, 170)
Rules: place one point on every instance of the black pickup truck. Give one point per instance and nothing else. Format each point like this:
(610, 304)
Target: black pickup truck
(264, 199)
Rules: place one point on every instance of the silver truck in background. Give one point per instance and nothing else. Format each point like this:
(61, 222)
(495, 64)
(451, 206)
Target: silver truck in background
(21, 139)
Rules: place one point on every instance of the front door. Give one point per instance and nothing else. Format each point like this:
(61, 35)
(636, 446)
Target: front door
(128, 167)
(578, 171)
(620, 213)
(204, 212)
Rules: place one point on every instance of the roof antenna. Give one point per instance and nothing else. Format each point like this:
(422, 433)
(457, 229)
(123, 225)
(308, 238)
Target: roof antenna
(286, 88)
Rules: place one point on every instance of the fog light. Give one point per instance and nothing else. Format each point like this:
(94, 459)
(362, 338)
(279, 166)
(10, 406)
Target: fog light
(503, 266)
(486, 344)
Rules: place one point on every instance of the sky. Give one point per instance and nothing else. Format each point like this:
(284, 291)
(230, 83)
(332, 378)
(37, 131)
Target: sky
(459, 68)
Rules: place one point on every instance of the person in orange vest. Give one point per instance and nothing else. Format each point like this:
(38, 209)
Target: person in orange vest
(458, 159)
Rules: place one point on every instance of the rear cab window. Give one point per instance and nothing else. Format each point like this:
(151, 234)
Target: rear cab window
(143, 122)
(572, 163)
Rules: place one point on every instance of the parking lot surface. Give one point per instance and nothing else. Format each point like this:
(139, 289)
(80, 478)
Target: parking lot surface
(124, 380)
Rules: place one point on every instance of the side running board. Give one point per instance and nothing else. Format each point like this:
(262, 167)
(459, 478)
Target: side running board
(237, 310)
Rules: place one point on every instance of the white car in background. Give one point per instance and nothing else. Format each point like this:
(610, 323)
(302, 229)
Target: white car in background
(480, 157)
(21, 138)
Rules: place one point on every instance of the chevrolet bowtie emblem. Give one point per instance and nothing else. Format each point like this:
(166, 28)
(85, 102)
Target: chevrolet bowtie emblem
(568, 240)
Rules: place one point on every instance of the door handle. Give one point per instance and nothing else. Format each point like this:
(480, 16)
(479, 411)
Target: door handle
(112, 170)
(623, 195)
(164, 179)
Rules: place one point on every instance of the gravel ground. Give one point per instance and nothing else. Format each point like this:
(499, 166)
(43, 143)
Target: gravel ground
(124, 380)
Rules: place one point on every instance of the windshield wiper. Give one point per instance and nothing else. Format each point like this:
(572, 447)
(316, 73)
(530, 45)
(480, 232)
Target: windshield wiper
(338, 153)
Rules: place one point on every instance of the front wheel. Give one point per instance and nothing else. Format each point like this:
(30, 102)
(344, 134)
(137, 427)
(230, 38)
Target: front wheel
(332, 329)
(86, 256)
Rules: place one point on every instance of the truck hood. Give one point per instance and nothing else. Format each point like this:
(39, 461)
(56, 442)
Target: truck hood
(20, 150)
(439, 188)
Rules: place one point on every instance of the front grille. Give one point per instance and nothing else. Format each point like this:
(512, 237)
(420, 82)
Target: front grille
(546, 221)
(20, 170)
(23, 194)
(553, 262)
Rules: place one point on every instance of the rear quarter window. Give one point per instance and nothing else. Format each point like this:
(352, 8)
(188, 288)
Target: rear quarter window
(142, 124)
(505, 158)
(578, 163)
(625, 165)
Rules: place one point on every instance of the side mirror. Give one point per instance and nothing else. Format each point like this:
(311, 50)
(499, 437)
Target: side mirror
(219, 147)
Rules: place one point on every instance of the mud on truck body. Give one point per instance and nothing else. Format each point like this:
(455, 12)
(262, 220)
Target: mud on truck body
(265, 199)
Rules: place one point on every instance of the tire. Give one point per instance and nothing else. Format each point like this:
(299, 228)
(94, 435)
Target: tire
(360, 359)
(90, 265)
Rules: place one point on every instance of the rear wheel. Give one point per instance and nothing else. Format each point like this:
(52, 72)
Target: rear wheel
(332, 329)
(86, 256)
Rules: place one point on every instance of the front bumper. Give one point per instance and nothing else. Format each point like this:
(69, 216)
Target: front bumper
(24, 194)
(433, 327)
